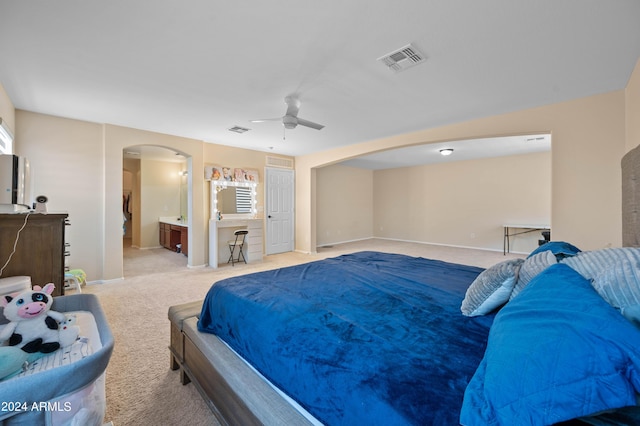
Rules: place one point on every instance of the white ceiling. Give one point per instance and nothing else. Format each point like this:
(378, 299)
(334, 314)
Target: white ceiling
(196, 68)
(157, 153)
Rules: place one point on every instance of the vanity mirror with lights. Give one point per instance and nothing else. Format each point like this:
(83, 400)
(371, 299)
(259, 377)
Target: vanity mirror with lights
(234, 207)
(233, 200)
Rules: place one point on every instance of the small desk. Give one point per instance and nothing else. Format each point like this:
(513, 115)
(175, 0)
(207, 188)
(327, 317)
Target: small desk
(524, 229)
(220, 231)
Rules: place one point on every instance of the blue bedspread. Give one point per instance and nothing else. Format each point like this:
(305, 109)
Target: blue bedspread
(366, 338)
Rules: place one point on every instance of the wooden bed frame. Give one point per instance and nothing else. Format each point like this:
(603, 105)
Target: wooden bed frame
(238, 395)
(234, 391)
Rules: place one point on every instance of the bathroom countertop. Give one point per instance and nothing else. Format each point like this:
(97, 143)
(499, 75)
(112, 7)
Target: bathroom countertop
(173, 221)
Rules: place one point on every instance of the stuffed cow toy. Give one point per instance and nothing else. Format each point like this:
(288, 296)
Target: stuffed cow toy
(33, 327)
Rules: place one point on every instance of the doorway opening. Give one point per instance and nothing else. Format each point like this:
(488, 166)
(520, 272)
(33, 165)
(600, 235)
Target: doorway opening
(417, 193)
(155, 191)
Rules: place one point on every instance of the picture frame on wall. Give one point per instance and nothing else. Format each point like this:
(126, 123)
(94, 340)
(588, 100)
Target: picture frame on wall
(251, 175)
(212, 172)
(227, 174)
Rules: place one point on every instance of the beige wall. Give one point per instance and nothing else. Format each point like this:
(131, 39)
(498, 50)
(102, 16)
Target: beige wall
(160, 196)
(79, 165)
(67, 167)
(224, 156)
(345, 204)
(588, 141)
(7, 111)
(461, 203)
(465, 203)
(632, 110)
(116, 139)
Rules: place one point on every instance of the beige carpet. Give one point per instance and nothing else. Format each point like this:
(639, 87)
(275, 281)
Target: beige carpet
(141, 389)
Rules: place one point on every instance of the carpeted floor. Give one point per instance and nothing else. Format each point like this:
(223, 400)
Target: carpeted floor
(141, 389)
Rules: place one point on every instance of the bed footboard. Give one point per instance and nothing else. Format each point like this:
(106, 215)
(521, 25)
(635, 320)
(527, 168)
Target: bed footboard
(234, 392)
(227, 406)
(177, 315)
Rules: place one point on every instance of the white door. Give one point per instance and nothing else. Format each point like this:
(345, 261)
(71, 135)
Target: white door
(279, 202)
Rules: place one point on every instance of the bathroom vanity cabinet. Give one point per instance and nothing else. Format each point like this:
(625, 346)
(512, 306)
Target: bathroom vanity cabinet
(172, 233)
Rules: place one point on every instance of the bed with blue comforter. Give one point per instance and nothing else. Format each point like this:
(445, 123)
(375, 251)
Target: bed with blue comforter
(375, 338)
(378, 338)
(364, 338)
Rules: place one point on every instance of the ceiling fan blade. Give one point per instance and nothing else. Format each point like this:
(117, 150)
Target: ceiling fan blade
(290, 120)
(293, 106)
(307, 123)
(261, 120)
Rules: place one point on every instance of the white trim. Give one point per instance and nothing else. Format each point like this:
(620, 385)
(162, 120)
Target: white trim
(101, 282)
(448, 245)
(345, 242)
(412, 241)
(6, 138)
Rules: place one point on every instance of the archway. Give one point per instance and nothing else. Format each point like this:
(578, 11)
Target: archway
(155, 190)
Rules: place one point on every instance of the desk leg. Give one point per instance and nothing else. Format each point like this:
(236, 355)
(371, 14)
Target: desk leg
(505, 241)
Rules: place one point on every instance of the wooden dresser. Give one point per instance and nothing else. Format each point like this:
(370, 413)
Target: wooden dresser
(40, 250)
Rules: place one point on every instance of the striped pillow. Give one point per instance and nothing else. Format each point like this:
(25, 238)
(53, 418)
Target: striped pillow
(590, 264)
(531, 267)
(619, 284)
(491, 288)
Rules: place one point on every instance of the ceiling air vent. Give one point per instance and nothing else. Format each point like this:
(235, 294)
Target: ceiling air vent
(403, 58)
(285, 163)
(238, 129)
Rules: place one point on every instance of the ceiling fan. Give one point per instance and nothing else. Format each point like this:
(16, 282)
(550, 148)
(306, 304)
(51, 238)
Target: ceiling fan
(290, 119)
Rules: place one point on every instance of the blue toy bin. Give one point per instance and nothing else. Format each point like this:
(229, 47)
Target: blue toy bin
(66, 394)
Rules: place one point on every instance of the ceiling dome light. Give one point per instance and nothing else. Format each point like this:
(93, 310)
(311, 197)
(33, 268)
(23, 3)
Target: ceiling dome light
(446, 151)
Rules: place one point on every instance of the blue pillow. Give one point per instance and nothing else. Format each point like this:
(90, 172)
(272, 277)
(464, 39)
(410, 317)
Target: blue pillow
(559, 248)
(556, 352)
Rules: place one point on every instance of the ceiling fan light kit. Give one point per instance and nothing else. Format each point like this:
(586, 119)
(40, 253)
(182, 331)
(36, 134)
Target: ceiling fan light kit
(289, 122)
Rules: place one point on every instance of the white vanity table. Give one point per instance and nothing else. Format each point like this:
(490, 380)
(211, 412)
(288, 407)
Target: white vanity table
(221, 230)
